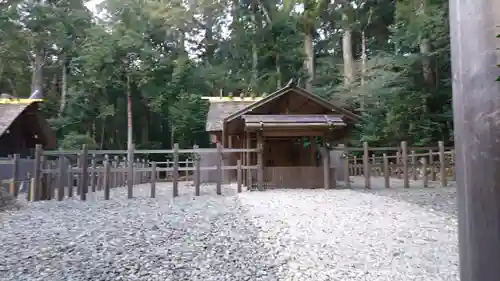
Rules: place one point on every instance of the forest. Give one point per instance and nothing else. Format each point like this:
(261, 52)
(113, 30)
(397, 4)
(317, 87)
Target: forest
(384, 59)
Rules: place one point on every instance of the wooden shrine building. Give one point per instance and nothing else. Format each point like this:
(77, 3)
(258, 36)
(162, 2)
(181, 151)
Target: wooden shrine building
(22, 127)
(291, 126)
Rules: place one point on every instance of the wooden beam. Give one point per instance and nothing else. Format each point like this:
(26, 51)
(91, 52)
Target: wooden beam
(476, 108)
(294, 133)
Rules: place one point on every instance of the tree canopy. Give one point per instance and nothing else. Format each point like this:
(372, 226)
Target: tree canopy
(388, 60)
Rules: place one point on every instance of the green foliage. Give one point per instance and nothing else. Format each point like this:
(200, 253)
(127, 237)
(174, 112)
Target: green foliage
(168, 55)
(74, 140)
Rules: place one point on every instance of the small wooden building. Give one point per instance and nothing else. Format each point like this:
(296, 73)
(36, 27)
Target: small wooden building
(22, 127)
(291, 125)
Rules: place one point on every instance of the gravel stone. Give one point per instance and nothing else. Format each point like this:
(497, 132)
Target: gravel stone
(350, 235)
(205, 238)
(288, 235)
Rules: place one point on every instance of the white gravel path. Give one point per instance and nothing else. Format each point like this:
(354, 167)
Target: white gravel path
(350, 235)
(288, 235)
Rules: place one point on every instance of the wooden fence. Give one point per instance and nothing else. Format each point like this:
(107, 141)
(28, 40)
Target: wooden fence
(61, 174)
(403, 162)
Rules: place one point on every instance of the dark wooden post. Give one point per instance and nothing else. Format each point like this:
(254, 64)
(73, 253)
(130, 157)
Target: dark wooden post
(476, 104)
(431, 165)
(355, 165)
(260, 161)
(130, 172)
(442, 165)
(414, 165)
(70, 179)
(387, 175)
(326, 167)
(15, 176)
(238, 175)
(106, 179)
(60, 178)
(366, 165)
(153, 179)
(37, 173)
(248, 161)
(93, 174)
(425, 177)
(346, 168)
(219, 169)
(84, 180)
(197, 172)
(175, 172)
(406, 176)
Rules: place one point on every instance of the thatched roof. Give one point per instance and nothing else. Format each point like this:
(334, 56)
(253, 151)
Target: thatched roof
(221, 109)
(10, 111)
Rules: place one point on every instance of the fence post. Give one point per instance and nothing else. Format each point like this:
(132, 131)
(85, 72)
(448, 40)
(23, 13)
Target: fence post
(153, 179)
(60, 178)
(238, 175)
(130, 172)
(387, 181)
(398, 163)
(93, 174)
(442, 164)
(374, 167)
(37, 173)
(326, 168)
(346, 168)
(197, 175)
(260, 162)
(431, 165)
(84, 184)
(414, 165)
(406, 178)
(78, 176)
(175, 172)
(219, 169)
(106, 179)
(425, 177)
(14, 186)
(355, 166)
(70, 180)
(366, 165)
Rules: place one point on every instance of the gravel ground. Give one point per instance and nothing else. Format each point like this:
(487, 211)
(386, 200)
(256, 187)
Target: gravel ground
(309, 235)
(204, 238)
(350, 235)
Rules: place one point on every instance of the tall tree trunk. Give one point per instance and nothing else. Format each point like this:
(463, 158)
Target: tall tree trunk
(129, 115)
(37, 74)
(349, 74)
(278, 71)
(364, 58)
(425, 46)
(255, 51)
(309, 58)
(425, 50)
(64, 87)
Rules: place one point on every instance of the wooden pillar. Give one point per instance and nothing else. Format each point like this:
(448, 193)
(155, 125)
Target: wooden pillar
(312, 142)
(366, 165)
(260, 161)
(475, 55)
(326, 168)
(229, 160)
(248, 161)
